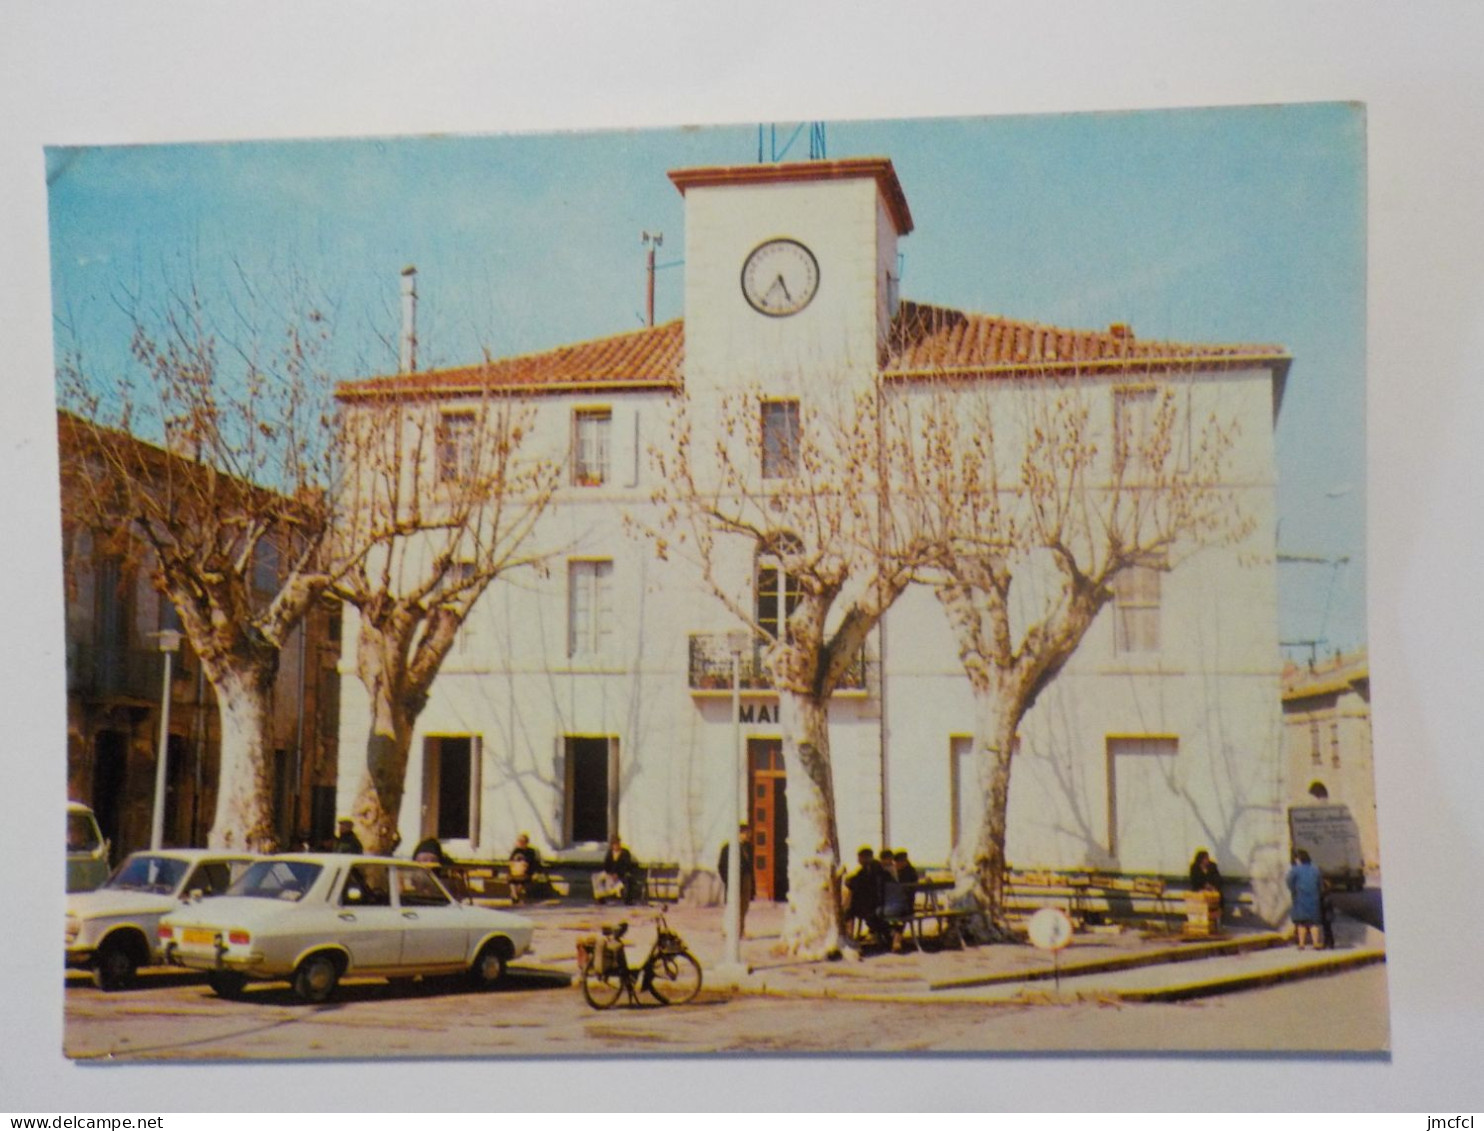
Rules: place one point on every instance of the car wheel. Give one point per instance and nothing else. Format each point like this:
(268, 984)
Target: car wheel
(490, 966)
(114, 967)
(226, 984)
(316, 978)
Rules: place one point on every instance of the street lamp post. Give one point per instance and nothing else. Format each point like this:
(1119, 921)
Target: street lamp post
(169, 642)
(732, 958)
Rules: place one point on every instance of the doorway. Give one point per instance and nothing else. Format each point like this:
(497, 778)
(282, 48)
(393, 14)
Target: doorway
(591, 794)
(448, 797)
(767, 790)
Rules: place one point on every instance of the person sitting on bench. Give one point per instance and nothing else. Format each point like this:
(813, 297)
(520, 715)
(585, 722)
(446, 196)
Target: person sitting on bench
(525, 861)
(615, 881)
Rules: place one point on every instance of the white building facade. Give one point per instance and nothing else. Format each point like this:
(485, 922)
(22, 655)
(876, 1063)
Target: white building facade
(596, 698)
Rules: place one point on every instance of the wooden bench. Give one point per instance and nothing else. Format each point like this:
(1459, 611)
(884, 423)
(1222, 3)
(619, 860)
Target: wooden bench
(661, 883)
(1088, 898)
(486, 880)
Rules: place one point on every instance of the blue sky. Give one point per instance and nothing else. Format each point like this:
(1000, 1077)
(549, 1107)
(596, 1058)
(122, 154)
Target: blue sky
(1221, 225)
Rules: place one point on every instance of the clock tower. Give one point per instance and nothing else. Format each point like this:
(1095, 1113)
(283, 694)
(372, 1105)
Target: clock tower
(789, 272)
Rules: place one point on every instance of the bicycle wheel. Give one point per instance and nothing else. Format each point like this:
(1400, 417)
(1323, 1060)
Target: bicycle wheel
(601, 990)
(675, 978)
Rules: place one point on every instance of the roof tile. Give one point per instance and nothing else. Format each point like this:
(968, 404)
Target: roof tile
(649, 358)
(928, 339)
(923, 341)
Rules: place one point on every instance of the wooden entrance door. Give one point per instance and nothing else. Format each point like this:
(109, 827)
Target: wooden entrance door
(766, 789)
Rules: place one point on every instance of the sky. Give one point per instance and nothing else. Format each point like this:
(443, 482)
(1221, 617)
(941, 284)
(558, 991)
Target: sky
(1215, 225)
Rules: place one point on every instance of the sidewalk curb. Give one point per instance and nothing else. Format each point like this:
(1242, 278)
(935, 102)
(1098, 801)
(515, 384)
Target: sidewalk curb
(1215, 986)
(1191, 952)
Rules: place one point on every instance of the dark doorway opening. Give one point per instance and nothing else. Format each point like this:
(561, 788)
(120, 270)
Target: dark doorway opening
(589, 795)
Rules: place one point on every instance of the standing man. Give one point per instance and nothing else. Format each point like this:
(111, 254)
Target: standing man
(346, 839)
(745, 888)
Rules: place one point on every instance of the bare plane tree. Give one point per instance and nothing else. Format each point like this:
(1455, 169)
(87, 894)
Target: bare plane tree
(460, 495)
(801, 492)
(233, 503)
(1034, 523)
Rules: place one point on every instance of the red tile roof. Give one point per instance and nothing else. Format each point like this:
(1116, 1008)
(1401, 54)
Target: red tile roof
(935, 340)
(924, 341)
(652, 358)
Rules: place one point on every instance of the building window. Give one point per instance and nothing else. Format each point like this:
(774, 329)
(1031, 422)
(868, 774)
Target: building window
(777, 595)
(1136, 599)
(1134, 411)
(1334, 743)
(455, 441)
(589, 608)
(590, 446)
(1315, 757)
(780, 424)
(267, 568)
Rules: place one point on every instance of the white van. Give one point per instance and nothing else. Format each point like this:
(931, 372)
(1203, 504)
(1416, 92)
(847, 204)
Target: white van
(87, 851)
(1329, 834)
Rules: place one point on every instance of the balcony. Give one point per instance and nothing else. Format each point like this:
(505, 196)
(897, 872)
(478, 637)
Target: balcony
(711, 666)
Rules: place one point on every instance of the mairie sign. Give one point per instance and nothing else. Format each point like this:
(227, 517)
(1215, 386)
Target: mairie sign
(757, 713)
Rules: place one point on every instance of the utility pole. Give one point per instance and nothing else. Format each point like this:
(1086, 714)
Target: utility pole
(651, 240)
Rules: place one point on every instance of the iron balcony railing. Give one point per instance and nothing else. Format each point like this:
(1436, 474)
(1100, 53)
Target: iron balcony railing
(711, 665)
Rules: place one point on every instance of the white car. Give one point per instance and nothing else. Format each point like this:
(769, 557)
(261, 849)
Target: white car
(314, 918)
(113, 929)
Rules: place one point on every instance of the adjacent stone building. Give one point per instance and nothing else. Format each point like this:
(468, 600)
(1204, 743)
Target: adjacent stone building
(115, 687)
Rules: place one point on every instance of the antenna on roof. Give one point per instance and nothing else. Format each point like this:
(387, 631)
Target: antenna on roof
(772, 152)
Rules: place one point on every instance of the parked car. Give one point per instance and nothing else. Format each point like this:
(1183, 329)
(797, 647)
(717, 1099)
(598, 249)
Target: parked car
(113, 931)
(314, 918)
(87, 851)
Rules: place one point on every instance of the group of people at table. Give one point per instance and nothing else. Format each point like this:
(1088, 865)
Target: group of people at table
(881, 893)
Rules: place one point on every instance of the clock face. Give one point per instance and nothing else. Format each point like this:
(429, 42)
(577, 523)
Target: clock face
(780, 277)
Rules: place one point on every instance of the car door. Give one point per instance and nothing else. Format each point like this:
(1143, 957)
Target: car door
(434, 930)
(369, 926)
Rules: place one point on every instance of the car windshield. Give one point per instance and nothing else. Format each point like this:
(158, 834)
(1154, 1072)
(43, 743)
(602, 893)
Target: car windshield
(82, 834)
(276, 879)
(148, 873)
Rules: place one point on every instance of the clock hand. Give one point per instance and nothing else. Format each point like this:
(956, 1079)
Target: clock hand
(786, 296)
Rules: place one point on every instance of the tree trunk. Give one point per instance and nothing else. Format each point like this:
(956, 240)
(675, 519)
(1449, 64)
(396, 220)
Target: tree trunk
(381, 664)
(811, 926)
(244, 815)
(979, 858)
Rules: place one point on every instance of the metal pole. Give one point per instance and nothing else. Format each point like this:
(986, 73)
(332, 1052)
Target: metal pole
(733, 956)
(649, 290)
(157, 823)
